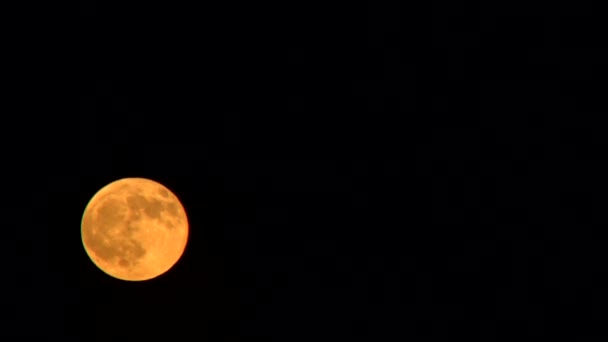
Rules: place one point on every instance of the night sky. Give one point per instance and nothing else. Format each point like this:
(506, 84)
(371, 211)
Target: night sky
(339, 178)
(543, 174)
(260, 127)
(265, 255)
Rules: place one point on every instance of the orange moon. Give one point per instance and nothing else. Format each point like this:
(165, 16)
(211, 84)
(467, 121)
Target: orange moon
(134, 229)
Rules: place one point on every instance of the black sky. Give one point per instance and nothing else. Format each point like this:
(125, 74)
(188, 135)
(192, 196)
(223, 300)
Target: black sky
(543, 173)
(326, 157)
(258, 123)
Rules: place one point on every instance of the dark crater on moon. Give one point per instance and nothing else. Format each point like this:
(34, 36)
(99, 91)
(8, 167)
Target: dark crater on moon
(111, 246)
(163, 193)
(153, 208)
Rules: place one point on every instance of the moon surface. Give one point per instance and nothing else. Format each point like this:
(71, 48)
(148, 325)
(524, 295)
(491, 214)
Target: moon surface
(134, 229)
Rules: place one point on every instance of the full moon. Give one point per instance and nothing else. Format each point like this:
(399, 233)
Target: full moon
(134, 229)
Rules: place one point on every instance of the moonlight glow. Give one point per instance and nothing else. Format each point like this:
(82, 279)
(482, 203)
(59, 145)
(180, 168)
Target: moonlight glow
(134, 229)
